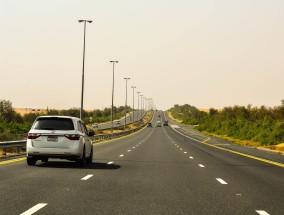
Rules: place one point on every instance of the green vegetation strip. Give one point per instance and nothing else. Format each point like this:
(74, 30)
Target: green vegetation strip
(258, 126)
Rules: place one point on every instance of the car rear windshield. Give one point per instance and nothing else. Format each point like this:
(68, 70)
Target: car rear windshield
(54, 123)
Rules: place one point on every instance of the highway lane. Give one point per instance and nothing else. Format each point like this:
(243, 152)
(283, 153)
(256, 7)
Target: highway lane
(156, 171)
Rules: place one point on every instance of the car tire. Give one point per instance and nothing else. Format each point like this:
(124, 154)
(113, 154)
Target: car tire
(31, 161)
(45, 160)
(81, 162)
(90, 158)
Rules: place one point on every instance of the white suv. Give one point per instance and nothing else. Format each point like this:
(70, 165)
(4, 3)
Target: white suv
(61, 137)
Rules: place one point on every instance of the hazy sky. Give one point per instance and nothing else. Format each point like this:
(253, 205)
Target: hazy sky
(207, 53)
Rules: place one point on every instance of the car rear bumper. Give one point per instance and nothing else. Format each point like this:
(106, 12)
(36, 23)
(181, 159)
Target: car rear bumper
(39, 153)
(40, 156)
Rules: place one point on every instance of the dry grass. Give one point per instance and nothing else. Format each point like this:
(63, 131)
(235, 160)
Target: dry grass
(171, 116)
(230, 139)
(12, 151)
(279, 147)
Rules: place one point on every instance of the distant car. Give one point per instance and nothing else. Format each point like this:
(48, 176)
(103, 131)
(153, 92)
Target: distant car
(166, 123)
(149, 124)
(159, 124)
(61, 137)
(117, 122)
(159, 115)
(95, 125)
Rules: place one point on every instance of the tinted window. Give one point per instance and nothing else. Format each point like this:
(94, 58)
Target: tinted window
(54, 123)
(85, 129)
(82, 127)
(79, 127)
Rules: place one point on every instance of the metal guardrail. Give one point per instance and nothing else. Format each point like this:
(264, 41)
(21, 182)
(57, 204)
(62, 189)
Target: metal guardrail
(21, 144)
(18, 144)
(101, 137)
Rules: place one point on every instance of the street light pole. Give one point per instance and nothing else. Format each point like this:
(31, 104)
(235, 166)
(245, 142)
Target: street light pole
(126, 79)
(150, 103)
(113, 62)
(146, 104)
(138, 105)
(133, 87)
(141, 104)
(82, 92)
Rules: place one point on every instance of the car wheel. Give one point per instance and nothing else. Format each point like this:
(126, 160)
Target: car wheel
(45, 160)
(31, 161)
(90, 159)
(81, 162)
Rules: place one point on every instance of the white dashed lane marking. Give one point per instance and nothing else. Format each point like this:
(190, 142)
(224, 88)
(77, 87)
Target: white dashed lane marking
(34, 209)
(262, 212)
(121, 155)
(185, 152)
(201, 165)
(191, 157)
(109, 163)
(129, 150)
(221, 181)
(86, 177)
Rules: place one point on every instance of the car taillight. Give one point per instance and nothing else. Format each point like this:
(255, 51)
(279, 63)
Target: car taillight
(32, 136)
(72, 136)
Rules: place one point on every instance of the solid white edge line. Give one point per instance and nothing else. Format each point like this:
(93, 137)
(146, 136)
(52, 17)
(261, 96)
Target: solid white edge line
(86, 177)
(34, 209)
(262, 212)
(221, 181)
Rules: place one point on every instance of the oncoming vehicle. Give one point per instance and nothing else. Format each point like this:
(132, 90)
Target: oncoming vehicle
(117, 122)
(149, 124)
(61, 137)
(95, 125)
(166, 123)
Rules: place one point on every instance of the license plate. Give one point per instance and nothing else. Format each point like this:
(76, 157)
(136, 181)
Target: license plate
(52, 138)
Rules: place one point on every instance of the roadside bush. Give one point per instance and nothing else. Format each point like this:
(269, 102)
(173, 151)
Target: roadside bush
(263, 125)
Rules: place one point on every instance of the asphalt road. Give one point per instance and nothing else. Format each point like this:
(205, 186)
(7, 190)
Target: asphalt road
(155, 171)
